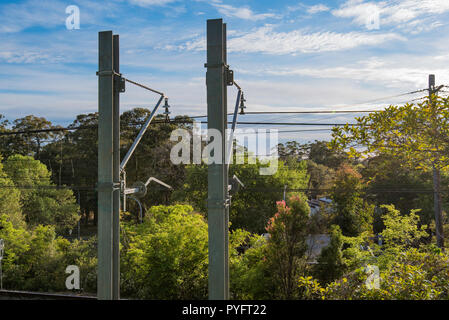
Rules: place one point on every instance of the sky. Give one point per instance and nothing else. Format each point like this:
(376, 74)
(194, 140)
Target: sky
(287, 55)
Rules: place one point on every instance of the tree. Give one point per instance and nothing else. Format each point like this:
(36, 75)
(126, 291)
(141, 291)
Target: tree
(287, 244)
(250, 274)
(414, 275)
(166, 257)
(330, 264)
(10, 199)
(152, 156)
(253, 205)
(401, 231)
(351, 213)
(4, 139)
(72, 160)
(322, 155)
(384, 172)
(35, 259)
(321, 179)
(29, 144)
(415, 133)
(408, 269)
(41, 202)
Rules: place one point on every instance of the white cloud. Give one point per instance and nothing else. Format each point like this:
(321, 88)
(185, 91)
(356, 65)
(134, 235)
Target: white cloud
(408, 72)
(317, 8)
(241, 12)
(266, 40)
(149, 3)
(45, 13)
(409, 15)
(25, 57)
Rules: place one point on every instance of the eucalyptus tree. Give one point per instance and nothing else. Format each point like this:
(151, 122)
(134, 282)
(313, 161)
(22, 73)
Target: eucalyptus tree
(417, 133)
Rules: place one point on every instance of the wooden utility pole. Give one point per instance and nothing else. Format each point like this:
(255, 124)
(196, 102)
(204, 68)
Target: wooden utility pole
(436, 175)
(218, 219)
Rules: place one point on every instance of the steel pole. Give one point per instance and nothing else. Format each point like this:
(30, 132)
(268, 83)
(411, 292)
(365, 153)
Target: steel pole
(217, 181)
(226, 166)
(105, 165)
(116, 176)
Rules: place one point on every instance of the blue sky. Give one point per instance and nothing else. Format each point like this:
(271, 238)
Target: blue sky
(287, 55)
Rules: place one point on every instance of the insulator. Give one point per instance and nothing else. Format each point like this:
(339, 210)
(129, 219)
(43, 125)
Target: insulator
(167, 112)
(242, 104)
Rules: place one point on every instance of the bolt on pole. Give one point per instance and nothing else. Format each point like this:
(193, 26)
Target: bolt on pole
(218, 220)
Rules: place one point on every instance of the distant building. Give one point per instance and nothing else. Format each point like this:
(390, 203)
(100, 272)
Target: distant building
(316, 204)
(316, 243)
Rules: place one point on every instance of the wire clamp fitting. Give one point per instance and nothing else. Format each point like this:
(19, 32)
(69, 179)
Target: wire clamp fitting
(107, 186)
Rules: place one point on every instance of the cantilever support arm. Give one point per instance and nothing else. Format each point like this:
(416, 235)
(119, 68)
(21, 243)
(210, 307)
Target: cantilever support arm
(140, 135)
(158, 181)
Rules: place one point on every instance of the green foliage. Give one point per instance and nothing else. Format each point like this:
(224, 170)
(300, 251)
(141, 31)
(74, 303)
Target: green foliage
(407, 270)
(10, 200)
(35, 259)
(166, 256)
(24, 144)
(317, 152)
(250, 274)
(252, 206)
(401, 232)
(387, 172)
(41, 204)
(352, 214)
(415, 133)
(287, 244)
(414, 275)
(321, 178)
(330, 262)
(320, 153)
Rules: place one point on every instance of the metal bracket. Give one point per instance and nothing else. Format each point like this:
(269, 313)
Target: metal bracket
(108, 186)
(218, 204)
(235, 185)
(141, 189)
(105, 73)
(229, 77)
(219, 65)
(119, 83)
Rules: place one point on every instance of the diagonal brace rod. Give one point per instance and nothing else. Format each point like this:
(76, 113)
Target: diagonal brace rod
(158, 181)
(234, 121)
(140, 135)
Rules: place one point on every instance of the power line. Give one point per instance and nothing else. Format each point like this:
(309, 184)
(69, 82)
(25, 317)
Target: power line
(394, 96)
(187, 121)
(48, 187)
(366, 192)
(9, 133)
